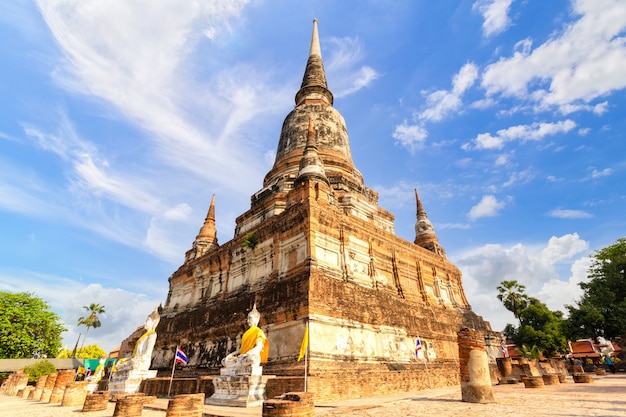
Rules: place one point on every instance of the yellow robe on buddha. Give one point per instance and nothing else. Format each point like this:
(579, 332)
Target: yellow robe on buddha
(248, 341)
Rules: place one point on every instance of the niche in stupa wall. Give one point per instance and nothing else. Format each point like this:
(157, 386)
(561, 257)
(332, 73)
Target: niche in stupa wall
(327, 250)
(182, 291)
(358, 261)
(292, 252)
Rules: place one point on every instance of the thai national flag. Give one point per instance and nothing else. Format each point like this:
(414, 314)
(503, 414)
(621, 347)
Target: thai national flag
(180, 356)
(418, 347)
(505, 352)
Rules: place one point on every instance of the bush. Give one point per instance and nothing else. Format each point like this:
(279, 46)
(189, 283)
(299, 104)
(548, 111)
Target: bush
(40, 368)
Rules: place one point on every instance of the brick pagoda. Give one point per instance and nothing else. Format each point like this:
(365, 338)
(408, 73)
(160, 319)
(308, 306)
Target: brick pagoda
(316, 248)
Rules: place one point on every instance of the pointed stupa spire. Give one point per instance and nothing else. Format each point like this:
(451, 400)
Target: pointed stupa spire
(207, 237)
(424, 231)
(208, 231)
(311, 165)
(314, 87)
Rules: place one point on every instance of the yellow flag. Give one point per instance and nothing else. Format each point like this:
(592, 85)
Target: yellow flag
(305, 343)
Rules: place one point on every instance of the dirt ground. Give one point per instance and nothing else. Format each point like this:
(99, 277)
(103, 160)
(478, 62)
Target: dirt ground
(605, 397)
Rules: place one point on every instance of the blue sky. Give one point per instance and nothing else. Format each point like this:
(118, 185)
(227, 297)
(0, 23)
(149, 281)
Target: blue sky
(119, 120)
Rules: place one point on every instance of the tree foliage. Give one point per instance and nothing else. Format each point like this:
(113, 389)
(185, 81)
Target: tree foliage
(512, 295)
(87, 352)
(91, 320)
(539, 328)
(27, 327)
(602, 309)
(38, 369)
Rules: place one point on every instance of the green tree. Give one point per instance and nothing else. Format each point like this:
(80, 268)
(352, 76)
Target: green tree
(541, 327)
(27, 327)
(512, 295)
(40, 368)
(602, 309)
(87, 352)
(92, 320)
(583, 322)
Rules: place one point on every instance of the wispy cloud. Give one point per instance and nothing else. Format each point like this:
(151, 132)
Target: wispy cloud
(410, 136)
(602, 173)
(342, 65)
(584, 61)
(442, 103)
(534, 132)
(496, 15)
(148, 80)
(488, 206)
(569, 214)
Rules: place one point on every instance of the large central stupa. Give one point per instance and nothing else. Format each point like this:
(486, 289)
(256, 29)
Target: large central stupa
(316, 248)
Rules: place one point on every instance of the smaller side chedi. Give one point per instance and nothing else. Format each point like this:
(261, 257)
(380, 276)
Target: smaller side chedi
(130, 372)
(316, 248)
(241, 382)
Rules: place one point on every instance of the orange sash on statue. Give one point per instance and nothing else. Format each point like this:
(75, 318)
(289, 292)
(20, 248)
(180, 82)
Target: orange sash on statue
(248, 341)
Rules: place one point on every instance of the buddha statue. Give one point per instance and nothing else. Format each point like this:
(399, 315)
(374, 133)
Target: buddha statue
(142, 354)
(254, 345)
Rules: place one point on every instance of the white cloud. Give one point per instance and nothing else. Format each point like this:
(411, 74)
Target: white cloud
(569, 214)
(149, 80)
(606, 172)
(488, 206)
(345, 54)
(535, 266)
(534, 132)
(411, 137)
(441, 103)
(495, 13)
(584, 61)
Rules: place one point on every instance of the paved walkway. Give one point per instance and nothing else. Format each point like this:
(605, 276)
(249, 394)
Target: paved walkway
(605, 397)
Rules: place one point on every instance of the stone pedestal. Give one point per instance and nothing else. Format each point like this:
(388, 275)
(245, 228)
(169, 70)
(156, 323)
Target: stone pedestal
(239, 387)
(129, 381)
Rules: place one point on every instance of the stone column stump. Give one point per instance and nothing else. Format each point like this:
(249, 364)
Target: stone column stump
(186, 405)
(47, 390)
(600, 371)
(97, 401)
(474, 364)
(75, 394)
(562, 378)
(63, 377)
(16, 382)
(550, 379)
(583, 378)
(533, 381)
(291, 404)
(39, 386)
(129, 406)
(25, 392)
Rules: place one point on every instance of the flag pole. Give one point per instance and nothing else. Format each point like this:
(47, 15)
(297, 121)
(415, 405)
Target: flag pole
(306, 361)
(172, 376)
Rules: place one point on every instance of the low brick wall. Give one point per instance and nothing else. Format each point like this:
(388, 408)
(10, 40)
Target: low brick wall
(63, 377)
(97, 401)
(291, 404)
(187, 405)
(75, 394)
(47, 390)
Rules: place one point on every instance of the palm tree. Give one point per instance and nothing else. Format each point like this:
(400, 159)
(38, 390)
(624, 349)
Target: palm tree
(92, 320)
(513, 297)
